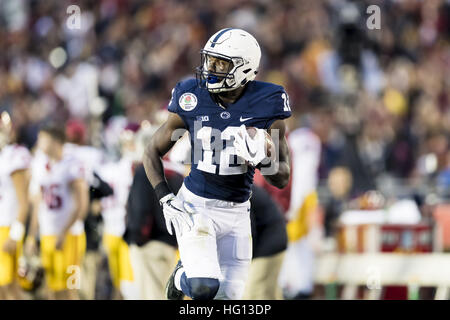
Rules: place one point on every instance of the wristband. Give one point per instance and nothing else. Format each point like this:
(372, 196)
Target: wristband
(166, 198)
(162, 190)
(17, 231)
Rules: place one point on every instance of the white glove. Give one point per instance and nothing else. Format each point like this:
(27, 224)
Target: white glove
(177, 213)
(250, 149)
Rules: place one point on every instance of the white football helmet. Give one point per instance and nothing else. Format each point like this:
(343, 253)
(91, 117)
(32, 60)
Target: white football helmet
(233, 45)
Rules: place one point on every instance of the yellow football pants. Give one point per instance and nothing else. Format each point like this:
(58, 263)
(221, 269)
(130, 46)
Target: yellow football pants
(118, 259)
(60, 265)
(8, 262)
(298, 227)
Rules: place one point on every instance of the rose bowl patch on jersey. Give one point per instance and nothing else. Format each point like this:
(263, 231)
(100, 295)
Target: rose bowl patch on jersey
(188, 101)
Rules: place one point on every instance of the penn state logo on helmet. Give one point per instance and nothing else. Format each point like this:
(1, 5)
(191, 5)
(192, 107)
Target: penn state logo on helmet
(188, 101)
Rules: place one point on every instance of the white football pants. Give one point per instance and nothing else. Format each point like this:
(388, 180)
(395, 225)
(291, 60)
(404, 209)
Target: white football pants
(219, 245)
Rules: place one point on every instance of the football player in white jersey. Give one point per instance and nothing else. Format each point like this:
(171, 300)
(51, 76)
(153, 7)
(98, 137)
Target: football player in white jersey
(119, 175)
(61, 198)
(14, 178)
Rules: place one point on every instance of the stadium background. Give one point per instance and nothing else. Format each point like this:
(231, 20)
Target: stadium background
(380, 96)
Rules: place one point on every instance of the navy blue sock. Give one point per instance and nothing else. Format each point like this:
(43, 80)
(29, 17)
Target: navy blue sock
(199, 288)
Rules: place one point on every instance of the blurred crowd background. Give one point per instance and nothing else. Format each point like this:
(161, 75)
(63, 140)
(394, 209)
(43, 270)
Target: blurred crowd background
(379, 100)
(388, 88)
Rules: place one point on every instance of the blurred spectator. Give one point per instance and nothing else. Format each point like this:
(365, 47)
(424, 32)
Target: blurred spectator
(339, 184)
(380, 98)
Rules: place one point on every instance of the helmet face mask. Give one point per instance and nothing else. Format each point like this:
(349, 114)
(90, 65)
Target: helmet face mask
(217, 81)
(242, 55)
(211, 61)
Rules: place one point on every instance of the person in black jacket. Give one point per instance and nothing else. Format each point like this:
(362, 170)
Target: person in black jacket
(152, 248)
(269, 244)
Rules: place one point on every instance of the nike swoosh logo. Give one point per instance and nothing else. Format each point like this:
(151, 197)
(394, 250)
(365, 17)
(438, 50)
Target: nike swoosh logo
(244, 119)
